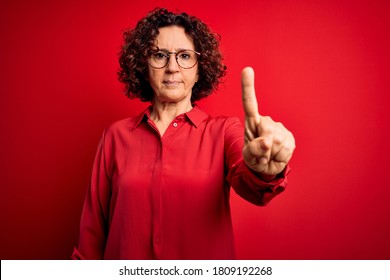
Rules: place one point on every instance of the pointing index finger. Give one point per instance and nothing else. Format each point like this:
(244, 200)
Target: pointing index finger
(249, 100)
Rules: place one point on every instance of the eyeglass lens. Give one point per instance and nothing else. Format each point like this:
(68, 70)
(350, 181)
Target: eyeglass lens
(185, 58)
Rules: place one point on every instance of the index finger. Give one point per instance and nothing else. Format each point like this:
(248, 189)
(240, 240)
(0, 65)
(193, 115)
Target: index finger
(249, 100)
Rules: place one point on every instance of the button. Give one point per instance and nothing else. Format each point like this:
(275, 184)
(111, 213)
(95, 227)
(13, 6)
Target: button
(175, 124)
(157, 240)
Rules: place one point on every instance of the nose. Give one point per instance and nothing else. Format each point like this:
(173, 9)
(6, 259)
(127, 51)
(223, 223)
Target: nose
(172, 66)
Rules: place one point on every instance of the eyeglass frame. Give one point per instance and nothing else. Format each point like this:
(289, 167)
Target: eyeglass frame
(176, 58)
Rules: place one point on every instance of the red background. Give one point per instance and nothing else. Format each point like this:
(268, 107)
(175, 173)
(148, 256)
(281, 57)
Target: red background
(322, 68)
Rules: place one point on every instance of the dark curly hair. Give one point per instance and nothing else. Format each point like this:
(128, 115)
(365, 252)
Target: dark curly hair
(139, 44)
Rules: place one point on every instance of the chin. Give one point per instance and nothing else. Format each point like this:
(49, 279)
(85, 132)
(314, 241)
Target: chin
(172, 95)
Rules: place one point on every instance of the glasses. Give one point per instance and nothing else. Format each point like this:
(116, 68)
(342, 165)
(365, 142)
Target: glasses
(186, 59)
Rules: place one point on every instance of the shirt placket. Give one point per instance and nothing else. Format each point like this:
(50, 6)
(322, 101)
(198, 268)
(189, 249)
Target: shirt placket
(156, 195)
(156, 205)
(158, 185)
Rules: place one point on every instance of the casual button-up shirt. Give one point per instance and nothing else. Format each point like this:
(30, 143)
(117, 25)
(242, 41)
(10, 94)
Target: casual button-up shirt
(154, 197)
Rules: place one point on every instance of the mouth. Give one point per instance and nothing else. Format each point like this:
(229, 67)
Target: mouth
(170, 83)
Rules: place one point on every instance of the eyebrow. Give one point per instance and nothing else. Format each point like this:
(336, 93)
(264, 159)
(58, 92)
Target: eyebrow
(177, 50)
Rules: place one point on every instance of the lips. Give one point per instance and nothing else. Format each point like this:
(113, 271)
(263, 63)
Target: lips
(171, 83)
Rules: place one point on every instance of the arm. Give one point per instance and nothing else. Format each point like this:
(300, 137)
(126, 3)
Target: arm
(269, 146)
(248, 184)
(94, 217)
(267, 149)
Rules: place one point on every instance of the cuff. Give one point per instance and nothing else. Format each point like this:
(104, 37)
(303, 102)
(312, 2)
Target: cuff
(277, 184)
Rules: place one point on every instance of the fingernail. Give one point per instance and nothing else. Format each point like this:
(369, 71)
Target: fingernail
(263, 160)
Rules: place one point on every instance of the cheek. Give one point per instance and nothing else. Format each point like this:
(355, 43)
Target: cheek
(193, 77)
(151, 74)
(191, 81)
(196, 73)
(153, 78)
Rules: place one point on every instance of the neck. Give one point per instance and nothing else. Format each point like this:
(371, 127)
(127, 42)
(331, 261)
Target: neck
(163, 113)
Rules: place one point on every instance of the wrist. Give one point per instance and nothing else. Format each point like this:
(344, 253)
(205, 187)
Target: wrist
(262, 176)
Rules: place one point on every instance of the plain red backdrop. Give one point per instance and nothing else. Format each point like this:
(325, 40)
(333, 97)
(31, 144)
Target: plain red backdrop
(322, 68)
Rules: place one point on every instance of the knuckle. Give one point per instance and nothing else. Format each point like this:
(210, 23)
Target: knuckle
(268, 119)
(289, 146)
(278, 139)
(267, 130)
(266, 127)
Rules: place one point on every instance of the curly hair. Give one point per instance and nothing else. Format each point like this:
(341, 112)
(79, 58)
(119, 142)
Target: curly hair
(139, 44)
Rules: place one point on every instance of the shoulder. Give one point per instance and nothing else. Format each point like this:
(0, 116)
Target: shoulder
(230, 128)
(121, 124)
(220, 120)
(124, 125)
(118, 126)
(227, 122)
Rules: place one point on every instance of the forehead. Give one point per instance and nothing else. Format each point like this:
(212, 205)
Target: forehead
(174, 37)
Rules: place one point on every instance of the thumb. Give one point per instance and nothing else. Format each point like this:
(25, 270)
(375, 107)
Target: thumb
(258, 151)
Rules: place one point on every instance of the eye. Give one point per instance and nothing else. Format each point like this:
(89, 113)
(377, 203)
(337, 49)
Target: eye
(160, 55)
(186, 55)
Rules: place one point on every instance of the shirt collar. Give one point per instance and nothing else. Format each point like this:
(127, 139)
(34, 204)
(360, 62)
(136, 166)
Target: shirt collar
(196, 116)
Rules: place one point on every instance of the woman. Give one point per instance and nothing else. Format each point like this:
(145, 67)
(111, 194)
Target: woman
(161, 180)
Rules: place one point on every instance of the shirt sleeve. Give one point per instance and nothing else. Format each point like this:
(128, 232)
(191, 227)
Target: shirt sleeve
(240, 177)
(94, 217)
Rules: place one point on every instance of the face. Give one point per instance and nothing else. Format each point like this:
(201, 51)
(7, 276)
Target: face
(172, 83)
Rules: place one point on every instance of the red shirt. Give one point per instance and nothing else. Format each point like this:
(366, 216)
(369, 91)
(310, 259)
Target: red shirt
(154, 197)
